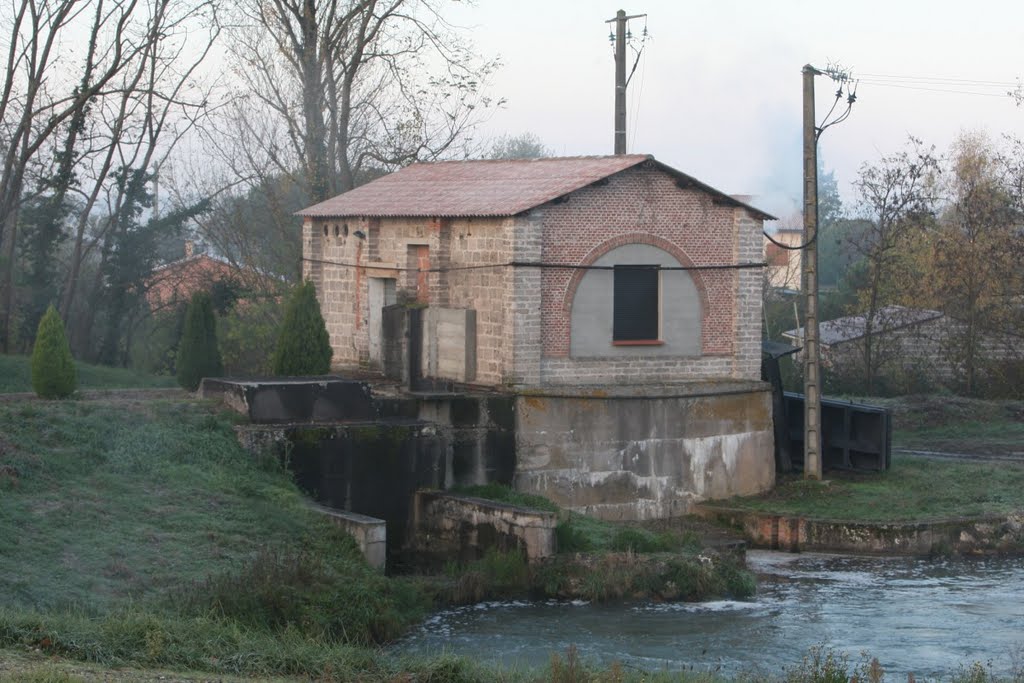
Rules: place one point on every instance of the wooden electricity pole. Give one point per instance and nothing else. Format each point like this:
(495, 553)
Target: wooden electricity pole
(812, 375)
(620, 77)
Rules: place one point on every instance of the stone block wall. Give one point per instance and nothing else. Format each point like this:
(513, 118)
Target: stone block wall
(474, 252)
(749, 298)
(332, 250)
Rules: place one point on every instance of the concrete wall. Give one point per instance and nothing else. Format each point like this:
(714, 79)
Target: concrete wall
(928, 354)
(993, 534)
(369, 533)
(481, 434)
(449, 344)
(593, 306)
(645, 455)
(447, 526)
(374, 468)
(294, 400)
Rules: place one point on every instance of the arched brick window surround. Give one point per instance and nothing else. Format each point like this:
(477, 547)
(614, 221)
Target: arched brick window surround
(654, 241)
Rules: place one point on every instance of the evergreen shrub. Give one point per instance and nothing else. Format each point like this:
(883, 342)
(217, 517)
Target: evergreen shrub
(198, 352)
(303, 346)
(53, 368)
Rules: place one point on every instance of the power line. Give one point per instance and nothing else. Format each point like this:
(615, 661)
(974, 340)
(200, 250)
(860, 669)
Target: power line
(937, 79)
(527, 264)
(945, 90)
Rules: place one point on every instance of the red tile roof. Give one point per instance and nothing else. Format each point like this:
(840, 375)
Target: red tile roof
(485, 188)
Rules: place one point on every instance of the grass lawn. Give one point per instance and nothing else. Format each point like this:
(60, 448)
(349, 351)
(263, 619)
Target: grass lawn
(918, 489)
(915, 489)
(955, 424)
(16, 376)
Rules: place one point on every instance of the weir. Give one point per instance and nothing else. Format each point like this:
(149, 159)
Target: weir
(366, 452)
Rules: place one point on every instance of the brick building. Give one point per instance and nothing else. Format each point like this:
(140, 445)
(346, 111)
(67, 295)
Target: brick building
(569, 280)
(531, 247)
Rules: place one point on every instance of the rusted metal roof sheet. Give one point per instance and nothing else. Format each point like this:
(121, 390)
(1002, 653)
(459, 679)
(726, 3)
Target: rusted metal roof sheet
(485, 188)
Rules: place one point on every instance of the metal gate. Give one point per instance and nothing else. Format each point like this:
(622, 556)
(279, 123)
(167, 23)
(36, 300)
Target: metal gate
(854, 436)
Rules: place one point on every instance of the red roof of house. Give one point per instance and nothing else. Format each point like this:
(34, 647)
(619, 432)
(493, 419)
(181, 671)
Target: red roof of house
(488, 187)
(178, 280)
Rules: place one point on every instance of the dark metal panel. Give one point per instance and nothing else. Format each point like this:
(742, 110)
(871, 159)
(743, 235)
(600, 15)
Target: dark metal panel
(636, 306)
(854, 436)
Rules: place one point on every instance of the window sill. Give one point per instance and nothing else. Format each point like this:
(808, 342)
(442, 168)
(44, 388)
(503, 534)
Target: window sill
(638, 342)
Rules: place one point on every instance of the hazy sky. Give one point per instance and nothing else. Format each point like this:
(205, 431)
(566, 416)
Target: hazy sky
(717, 90)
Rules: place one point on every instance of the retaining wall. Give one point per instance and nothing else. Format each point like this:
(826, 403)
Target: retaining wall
(447, 526)
(961, 536)
(645, 455)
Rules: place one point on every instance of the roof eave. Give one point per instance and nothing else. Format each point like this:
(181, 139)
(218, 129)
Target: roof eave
(727, 199)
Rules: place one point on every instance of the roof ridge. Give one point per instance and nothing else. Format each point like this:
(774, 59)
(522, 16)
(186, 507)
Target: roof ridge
(580, 157)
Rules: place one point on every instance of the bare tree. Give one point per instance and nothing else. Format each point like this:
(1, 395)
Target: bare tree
(58, 89)
(70, 111)
(897, 198)
(340, 86)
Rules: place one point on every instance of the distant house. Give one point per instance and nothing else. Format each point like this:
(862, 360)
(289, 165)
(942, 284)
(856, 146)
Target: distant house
(841, 333)
(784, 265)
(174, 283)
(907, 341)
(619, 298)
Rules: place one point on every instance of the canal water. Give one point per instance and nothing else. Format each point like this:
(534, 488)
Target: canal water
(929, 617)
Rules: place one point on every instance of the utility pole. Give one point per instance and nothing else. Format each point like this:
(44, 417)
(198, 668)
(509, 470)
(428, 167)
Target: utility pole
(812, 376)
(620, 77)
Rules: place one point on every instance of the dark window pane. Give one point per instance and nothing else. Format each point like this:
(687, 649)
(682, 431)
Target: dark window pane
(636, 303)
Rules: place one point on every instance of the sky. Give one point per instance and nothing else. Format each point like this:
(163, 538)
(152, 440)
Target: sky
(717, 91)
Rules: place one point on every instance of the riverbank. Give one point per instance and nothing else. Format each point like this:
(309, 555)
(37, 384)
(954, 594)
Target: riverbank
(138, 533)
(964, 497)
(127, 532)
(920, 506)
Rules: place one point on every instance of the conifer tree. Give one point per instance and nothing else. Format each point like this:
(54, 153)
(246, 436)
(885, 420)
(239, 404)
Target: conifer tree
(53, 369)
(303, 347)
(198, 352)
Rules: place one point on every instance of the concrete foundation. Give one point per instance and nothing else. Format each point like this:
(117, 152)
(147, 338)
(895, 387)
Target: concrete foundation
(369, 533)
(645, 452)
(289, 400)
(615, 452)
(996, 534)
(374, 468)
(447, 526)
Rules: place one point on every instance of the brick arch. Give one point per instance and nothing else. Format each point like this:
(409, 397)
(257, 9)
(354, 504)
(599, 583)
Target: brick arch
(651, 240)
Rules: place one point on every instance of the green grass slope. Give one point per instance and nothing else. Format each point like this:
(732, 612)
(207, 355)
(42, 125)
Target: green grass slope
(16, 376)
(140, 532)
